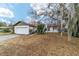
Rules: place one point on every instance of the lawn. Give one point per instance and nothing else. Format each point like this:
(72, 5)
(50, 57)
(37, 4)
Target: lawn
(3, 33)
(49, 44)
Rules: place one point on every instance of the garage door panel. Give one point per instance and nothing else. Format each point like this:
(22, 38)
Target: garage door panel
(21, 30)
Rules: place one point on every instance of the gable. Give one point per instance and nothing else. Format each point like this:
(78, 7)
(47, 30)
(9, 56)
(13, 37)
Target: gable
(20, 23)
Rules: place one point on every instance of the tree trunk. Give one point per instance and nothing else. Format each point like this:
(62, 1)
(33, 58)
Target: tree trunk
(62, 11)
(61, 29)
(69, 36)
(68, 29)
(71, 17)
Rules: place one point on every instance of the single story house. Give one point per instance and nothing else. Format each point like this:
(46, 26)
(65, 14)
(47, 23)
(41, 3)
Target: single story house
(23, 28)
(26, 28)
(54, 27)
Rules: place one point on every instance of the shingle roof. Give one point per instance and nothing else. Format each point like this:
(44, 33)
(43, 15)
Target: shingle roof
(23, 23)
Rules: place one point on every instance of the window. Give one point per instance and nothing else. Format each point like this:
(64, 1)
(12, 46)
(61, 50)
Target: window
(48, 29)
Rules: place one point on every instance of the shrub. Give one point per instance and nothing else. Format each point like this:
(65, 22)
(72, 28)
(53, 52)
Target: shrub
(6, 30)
(75, 34)
(41, 29)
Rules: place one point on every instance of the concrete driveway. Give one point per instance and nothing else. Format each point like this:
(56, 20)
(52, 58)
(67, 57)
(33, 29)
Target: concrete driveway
(6, 37)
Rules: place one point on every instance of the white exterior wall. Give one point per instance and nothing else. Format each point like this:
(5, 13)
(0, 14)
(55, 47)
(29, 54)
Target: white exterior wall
(51, 30)
(21, 29)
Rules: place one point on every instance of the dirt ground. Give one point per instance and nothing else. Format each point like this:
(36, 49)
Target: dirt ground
(50, 44)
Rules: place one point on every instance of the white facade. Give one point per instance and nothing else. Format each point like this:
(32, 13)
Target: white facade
(52, 30)
(21, 29)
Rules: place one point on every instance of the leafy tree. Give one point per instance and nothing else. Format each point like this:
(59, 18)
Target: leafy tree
(2, 24)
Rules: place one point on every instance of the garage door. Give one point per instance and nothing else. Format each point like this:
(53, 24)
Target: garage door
(21, 30)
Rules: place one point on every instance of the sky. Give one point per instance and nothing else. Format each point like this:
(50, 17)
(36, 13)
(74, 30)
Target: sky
(12, 12)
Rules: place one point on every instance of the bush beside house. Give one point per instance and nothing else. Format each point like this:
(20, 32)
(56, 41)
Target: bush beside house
(6, 30)
(41, 29)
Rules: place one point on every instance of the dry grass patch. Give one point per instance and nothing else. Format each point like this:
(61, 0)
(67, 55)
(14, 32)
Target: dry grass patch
(40, 45)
